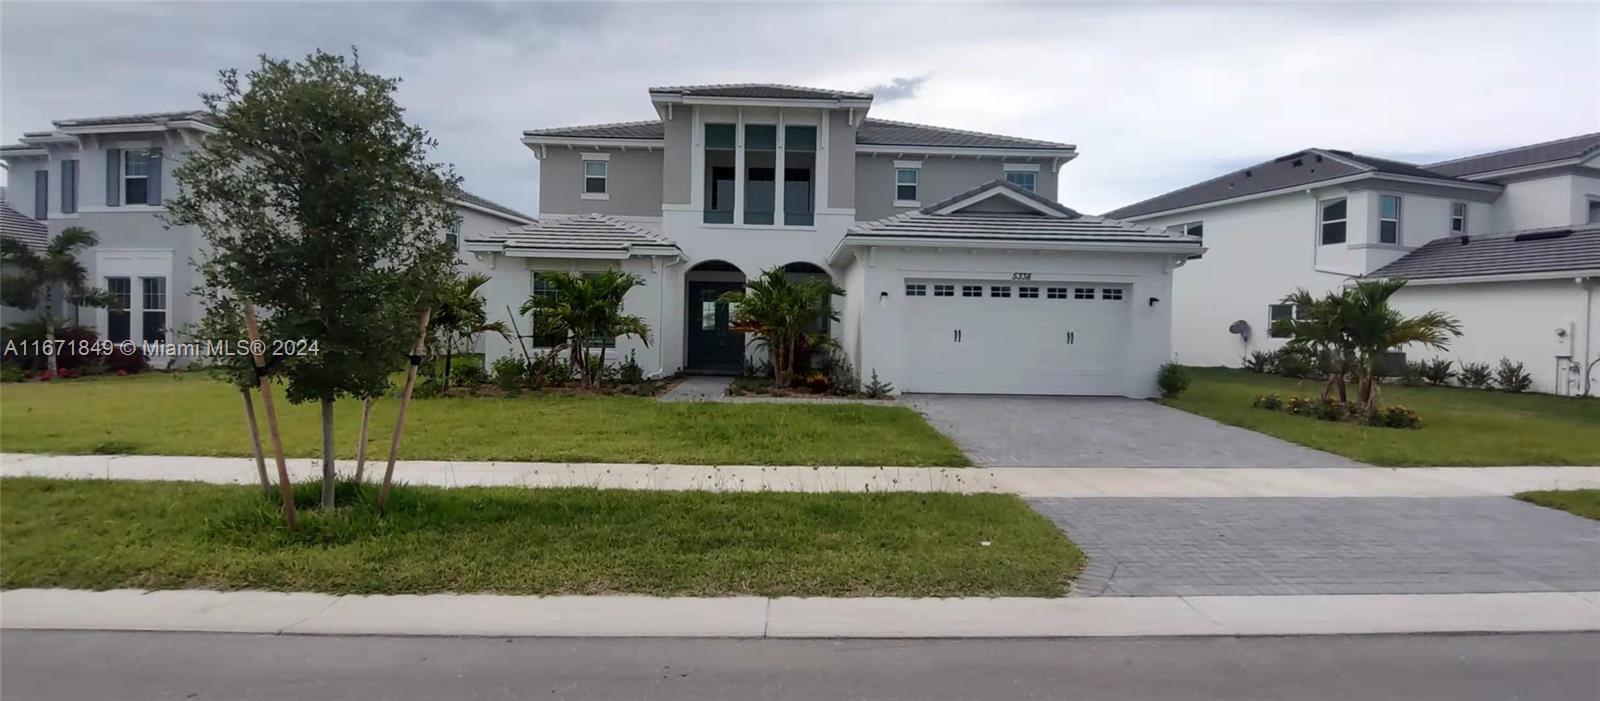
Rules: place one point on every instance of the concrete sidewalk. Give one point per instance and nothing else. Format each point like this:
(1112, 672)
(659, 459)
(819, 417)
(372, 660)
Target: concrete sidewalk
(754, 617)
(1027, 482)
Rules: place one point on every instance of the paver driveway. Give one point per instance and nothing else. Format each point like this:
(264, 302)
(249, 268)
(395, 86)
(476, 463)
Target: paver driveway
(1011, 431)
(1350, 545)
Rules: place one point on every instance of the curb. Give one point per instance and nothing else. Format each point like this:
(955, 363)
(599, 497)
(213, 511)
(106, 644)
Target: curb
(477, 615)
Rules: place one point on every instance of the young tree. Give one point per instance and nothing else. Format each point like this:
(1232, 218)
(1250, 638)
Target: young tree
(585, 308)
(1318, 326)
(1375, 328)
(37, 279)
(460, 315)
(782, 313)
(320, 205)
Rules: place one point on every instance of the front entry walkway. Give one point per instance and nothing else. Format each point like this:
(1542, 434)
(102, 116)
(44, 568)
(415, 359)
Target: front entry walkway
(1014, 431)
(699, 388)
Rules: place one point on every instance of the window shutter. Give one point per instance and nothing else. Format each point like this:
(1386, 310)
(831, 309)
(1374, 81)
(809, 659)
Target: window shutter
(113, 177)
(41, 194)
(69, 187)
(153, 191)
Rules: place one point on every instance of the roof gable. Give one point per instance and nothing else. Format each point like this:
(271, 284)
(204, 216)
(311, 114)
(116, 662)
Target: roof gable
(584, 236)
(999, 196)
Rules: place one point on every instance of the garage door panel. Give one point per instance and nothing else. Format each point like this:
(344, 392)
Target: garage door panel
(1071, 340)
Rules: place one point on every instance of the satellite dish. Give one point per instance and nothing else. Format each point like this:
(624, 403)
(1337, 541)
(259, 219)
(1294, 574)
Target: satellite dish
(1240, 327)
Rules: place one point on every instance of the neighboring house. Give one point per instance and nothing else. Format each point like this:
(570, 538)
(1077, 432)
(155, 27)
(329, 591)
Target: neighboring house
(111, 175)
(32, 233)
(1506, 241)
(962, 273)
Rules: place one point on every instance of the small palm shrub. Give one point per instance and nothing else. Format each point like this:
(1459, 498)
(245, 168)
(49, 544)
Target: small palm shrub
(1438, 371)
(1512, 377)
(1173, 379)
(1413, 373)
(1261, 362)
(510, 373)
(1475, 375)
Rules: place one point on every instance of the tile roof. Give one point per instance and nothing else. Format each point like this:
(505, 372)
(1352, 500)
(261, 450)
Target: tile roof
(1293, 170)
(19, 226)
(650, 129)
(1534, 154)
(882, 132)
(588, 232)
(194, 115)
(1551, 250)
(472, 199)
(762, 91)
(928, 223)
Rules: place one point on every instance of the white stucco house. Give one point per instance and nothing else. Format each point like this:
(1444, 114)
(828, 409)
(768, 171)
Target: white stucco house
(962, 273)
(1508, 242)
(111, 175)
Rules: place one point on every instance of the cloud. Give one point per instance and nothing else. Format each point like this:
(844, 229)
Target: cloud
(896, 89)
(1155, 96)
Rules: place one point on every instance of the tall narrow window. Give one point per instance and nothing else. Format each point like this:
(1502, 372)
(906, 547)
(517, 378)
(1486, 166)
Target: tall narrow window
(719, 185)
(1458, 218)
(905, 186)
(799, 168)
(135, 177)
(120, 314)
(761, 174)
(153, 310)
(1332, 216)
(41, 194)
(69, 186)
(542, 336)
(596, 176)
(1388, 219)
(452, 237)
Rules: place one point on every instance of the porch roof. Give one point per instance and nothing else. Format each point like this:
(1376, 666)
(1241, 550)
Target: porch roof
(583, 236)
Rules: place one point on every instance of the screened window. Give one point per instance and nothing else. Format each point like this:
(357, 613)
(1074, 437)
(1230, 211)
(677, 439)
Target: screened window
(916, 290)
(1023, 179)
(1055, 293)
(720, 173)
(154, 308)
(595, 176)
(119, 317)
(1000, 291)
(1028, 292)
(1083, 293)
(1111, 293)
(944, 290)
(1332, 217)
(972, 290)
(1388, 219)
(135, 177)
(905, 184)
(799, 168)
(1276, 312)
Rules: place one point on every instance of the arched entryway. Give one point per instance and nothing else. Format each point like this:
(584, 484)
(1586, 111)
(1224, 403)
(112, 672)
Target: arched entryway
(710, 344)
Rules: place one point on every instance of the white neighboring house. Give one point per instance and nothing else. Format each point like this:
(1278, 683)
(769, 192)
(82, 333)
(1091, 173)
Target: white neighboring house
(962, 273)
(111, 175)
(1508, 242)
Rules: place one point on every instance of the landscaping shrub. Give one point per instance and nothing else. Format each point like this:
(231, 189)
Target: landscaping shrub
(1268, 401)
(1412, 374)
(629, 372)
(842, 375)
(467, 375)
(1476, 375)
(556, 373)
(12, 372)
(1296, 364)
(127, 361)
(817, 381)
(1173, 379)
(1438, 371)
(1261, 362)
(1512, 377)
(877, 389)
(510, 373)
(1394, 416)
(427, 387)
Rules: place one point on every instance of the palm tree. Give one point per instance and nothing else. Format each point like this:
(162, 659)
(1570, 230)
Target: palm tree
(1375, 328)
(459, 315)
(586, 309)
(37, 277)
(782, 314)
(1318, 327)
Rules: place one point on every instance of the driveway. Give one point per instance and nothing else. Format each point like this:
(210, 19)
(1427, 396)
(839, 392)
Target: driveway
(1011, 431)
(1311, 545)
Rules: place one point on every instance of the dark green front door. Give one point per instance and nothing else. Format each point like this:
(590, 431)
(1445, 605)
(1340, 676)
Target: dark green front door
(712, 346)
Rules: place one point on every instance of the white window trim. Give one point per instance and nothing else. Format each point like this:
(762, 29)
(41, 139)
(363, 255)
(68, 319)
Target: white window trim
(894, 174)
(122, 181)
(1466, 211)
(1322, 206)
(1399, 215)
(583, 185)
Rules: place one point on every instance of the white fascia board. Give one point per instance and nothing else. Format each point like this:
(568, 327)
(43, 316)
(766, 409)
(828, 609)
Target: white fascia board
(997, 190)
(1511, 277)
(491, 212)
(595, 142)
(1066, 154)
(1020, 167)
(138, 127)
(579, 253)
(1023, 244)
(855, 103)
(1294, 189)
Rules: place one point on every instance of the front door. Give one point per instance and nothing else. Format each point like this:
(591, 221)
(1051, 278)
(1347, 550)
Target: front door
(712, 346)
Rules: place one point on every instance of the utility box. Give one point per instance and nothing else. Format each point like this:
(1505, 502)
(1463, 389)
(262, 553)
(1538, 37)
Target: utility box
(1563, 334)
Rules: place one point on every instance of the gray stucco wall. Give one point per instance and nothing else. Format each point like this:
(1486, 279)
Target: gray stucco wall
(678, 159)
(841, 161)
(634, 186)
(942, 177)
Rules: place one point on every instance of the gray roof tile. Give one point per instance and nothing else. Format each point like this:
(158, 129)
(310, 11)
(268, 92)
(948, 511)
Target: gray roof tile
(1536, 251)
(1534, 154)
(882, 132)
(195, 115)
(762, 91)
(19, 226)
(651, 129)
(588, 232)
(470, 198)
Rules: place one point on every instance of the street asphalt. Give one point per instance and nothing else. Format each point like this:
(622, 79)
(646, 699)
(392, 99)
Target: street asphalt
(88, 666)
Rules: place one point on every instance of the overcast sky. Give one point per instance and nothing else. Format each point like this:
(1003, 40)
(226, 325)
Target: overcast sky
(1155, 96)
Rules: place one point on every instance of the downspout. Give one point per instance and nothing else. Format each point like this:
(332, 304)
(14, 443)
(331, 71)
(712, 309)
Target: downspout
(1588, 333)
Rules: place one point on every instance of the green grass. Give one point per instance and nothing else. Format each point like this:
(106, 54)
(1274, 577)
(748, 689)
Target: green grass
(189, 414)
(1583, 502)
(1459, 426)
(152, 535)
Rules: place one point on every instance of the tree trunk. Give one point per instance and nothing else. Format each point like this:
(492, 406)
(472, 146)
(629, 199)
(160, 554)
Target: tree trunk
(329, 476)
(361, 445)
(600, 373)
(405, 402)
(255, 441)
(50, 346)
(285, 490)
(449, 353)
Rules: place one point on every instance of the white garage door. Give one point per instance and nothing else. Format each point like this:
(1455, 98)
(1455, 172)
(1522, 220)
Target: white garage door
(1028, 338)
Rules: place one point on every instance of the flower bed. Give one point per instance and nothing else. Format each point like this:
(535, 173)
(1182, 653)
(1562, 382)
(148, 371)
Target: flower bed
(1392, 416)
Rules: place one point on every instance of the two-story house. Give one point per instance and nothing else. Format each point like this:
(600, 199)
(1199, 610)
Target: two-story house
(1508, 242)
(111, 175)
(962, 273)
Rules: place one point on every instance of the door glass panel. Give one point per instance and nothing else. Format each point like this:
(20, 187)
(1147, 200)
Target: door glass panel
(708, 316)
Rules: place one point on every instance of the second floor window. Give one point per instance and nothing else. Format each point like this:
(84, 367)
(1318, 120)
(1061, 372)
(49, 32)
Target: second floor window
(761, 172)
(1331, 214)
(1458, 218)
(41, 194)
(720, 156)
(135, 177)
(905, 185)
(69, 186)
(595, 177)
(1025, 179)
(1594, 211)
(452, 238)
(1388, 219)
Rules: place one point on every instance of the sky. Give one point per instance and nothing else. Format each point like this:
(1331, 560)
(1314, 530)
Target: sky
(1155, 96)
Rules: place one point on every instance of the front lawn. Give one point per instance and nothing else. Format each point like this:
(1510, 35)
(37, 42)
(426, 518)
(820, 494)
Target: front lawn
(189, 414)
(1459, 426)
(1583, 502)
(155, 535)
